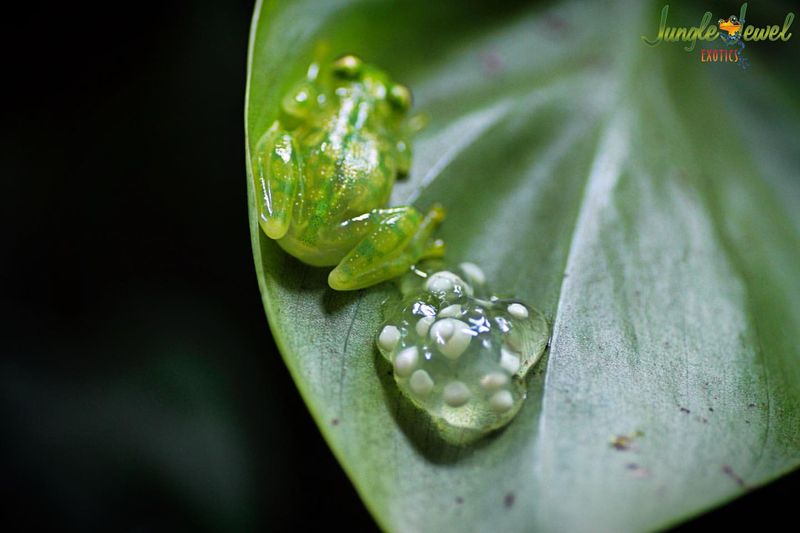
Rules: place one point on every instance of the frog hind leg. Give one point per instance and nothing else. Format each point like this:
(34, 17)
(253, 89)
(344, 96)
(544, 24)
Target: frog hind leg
(400, 237)
(277, 172)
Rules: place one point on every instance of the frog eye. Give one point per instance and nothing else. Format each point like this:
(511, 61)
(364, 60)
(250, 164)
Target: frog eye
(733, 19)
(400, 97)
(347, 66)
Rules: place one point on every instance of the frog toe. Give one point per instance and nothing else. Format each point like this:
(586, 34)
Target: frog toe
(340, 281)
(274, 228)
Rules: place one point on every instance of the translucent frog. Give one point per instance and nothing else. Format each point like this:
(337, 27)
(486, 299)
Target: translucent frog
(325, 170)
(458, 353)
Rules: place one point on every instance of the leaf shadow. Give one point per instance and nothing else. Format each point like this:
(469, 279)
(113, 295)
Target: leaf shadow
(294, 276)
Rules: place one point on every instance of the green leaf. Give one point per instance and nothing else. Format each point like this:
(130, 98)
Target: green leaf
(645, 201)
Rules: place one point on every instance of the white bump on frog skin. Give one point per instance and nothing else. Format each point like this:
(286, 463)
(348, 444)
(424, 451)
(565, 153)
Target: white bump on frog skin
(501, 401)
(388, 338)
(494, 380)
(452, 337)
(405, 361)
(509, 360)
(455, 394)
(424, 324)
(518, 311)
(313, 70)
(453, 311)
(474, 273)
(421, 383)
(446, 281)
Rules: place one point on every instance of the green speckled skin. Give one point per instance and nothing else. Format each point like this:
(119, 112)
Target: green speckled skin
(324, 173)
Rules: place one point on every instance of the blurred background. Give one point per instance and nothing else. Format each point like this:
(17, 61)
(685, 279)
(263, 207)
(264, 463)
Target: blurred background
(140, 388)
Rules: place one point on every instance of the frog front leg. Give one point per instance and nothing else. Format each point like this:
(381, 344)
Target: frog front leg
(398, 238)
(277, 170)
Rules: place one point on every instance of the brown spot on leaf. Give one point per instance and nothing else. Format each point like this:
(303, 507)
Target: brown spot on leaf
(621, 443)
(508, 501)
(491, 62)
(625, 442)
(728, 471)
(638, 470)
(556, 25)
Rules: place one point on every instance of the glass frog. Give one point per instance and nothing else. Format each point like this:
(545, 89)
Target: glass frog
(324, 172)
(458, 353)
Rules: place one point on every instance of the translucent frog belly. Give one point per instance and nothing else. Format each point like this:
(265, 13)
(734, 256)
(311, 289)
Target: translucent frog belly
(458, 353)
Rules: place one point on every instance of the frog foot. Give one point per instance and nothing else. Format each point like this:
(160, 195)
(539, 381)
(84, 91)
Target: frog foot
(399, 239)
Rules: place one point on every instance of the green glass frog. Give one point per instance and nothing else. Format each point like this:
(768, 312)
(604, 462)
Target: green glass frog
(325, 170)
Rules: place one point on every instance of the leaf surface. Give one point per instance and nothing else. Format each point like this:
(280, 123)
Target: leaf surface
(644, 201)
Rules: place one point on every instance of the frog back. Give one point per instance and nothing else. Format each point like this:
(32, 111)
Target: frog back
(344, 174)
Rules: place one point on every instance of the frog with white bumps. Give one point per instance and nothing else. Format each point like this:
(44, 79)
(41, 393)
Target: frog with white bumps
(459, 354)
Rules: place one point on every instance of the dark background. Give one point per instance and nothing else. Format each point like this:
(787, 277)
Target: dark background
(140, 388)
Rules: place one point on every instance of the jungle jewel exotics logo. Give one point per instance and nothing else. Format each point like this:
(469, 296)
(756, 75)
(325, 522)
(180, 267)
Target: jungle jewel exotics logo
(728, 34)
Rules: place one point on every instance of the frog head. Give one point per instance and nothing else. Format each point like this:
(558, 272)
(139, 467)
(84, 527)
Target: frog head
(329, 85)
(731, 25)
(350, 72)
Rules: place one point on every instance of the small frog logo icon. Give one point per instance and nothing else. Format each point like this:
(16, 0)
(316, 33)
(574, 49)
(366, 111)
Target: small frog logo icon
(732, 25)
